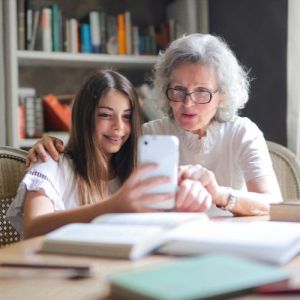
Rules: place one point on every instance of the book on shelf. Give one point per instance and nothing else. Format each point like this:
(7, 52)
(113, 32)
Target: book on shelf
(86, 43)
(31, 113)
(121, 34)
(57, 115)
(272, 242)
(285, 211)
(23, 92)
(21, 15)
(34, 117)
(48, 28)
(34, 31)
(212, 276)
(128, 32)
(112, 45)
(127, 235)
(73, 36)
(94, 20)
(56, 24)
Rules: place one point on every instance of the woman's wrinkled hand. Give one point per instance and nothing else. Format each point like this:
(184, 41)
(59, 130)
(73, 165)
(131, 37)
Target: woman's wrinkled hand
(48, 144)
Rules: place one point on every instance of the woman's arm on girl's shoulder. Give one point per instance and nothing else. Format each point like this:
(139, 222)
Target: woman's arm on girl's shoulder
(47, 144)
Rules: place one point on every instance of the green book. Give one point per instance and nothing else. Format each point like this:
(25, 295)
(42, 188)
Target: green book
(205, 277)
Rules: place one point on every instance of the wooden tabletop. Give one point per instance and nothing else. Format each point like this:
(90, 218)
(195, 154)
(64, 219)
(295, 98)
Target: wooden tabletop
(42, 284)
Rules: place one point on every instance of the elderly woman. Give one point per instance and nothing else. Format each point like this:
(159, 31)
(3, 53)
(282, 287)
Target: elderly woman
(202, 86)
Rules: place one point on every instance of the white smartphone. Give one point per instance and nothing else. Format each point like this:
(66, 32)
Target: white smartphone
(162, 150)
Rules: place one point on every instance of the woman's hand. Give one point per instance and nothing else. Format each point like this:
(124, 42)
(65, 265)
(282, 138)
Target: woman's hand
(48, 144)
(192, 196)
(133, 195)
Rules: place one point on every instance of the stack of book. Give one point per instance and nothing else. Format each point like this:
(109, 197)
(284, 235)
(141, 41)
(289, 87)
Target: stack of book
(31, 114)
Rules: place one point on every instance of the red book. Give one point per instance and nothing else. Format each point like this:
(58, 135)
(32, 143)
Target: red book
(21, 110)
(57, 115)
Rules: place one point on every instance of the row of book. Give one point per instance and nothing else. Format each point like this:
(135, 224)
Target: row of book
(50, 29)
(39, 114)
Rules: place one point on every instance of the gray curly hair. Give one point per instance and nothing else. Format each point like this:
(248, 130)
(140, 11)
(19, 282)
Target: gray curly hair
(212, 51)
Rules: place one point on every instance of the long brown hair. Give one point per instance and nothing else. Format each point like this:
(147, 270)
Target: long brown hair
(91, 165)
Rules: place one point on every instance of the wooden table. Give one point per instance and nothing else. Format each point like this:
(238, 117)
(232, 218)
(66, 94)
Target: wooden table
(48, 285)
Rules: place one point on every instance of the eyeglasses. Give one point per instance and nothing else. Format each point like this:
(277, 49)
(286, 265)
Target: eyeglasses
(199, 97)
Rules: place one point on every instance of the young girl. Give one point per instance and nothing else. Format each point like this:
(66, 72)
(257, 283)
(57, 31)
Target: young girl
(99, 157)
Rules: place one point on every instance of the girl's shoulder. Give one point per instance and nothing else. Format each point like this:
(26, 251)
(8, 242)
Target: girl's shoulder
(52, 167)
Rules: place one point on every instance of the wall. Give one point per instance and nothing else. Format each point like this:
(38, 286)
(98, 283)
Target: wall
(2, 84)
(293, 121)
(257, 31)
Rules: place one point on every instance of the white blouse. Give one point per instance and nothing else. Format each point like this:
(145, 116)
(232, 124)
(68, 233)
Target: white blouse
(56, 179)
(235, 151)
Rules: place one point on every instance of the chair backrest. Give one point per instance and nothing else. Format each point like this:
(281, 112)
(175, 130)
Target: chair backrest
(12, 169)
(287, 170)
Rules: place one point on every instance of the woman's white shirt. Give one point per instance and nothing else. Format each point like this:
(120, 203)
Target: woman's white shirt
(235, 151)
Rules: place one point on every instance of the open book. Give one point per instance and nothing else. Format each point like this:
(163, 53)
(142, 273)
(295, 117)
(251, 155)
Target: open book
(127, 235)
(135, 235)
(273, 242)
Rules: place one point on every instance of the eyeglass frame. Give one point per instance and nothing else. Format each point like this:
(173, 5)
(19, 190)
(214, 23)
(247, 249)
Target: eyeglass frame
(211, 94)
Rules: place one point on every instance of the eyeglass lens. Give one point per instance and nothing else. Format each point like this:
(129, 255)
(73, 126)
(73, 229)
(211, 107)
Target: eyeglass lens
(197, 96)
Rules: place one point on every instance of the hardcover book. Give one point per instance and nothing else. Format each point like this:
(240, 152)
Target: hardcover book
(57, 115)
(285, 211)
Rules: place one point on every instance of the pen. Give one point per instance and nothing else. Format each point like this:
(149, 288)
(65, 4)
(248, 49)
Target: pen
(45, 266)
(78, 271)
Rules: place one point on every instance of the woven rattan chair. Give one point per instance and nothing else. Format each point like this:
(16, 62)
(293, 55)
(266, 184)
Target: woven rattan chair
(12, 169)
(287, 170)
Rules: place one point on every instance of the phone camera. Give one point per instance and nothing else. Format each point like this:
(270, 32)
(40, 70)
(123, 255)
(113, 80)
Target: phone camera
(146, 143)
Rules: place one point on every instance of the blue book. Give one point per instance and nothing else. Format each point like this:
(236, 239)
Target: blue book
(56, 15)
(86, 42)
(208, 276)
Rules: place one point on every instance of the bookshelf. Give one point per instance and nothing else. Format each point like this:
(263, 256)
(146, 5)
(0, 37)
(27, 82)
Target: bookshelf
(44, 70)
(40, 58)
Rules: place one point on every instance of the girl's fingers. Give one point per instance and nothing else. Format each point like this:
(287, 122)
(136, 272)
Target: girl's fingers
(148, 199)
(138, 173)
(197, 172)
(182, 193)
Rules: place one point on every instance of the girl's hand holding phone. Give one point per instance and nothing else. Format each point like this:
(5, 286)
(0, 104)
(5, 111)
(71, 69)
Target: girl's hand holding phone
(134, 194)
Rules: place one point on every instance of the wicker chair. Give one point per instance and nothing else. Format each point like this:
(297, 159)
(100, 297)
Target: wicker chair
(12, 169)
(287, 170)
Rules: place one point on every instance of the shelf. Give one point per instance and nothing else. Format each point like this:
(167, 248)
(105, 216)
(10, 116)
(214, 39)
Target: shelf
(28, 143)
(54, 59)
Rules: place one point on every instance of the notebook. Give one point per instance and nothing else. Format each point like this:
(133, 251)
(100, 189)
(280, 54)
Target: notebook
(203, 277)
